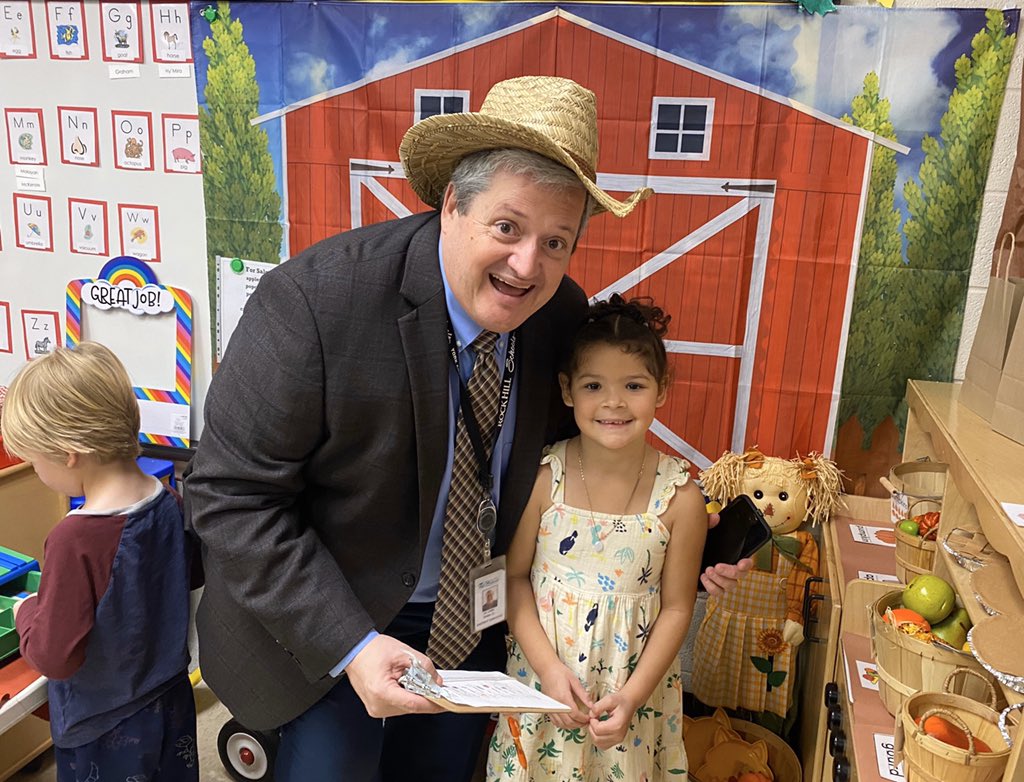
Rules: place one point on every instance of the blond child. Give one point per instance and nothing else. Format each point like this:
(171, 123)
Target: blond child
(108, 626)
(603, 572)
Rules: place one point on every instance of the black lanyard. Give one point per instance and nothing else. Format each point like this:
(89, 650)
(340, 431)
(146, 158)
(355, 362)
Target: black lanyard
(484, 472)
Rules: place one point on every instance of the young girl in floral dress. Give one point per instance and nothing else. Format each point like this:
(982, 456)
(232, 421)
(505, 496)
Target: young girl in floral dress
(603, 572)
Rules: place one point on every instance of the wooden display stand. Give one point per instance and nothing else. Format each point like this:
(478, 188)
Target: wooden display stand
(28, 511)
(985, 469)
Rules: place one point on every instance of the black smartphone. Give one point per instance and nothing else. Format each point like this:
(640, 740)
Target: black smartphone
(740, 532)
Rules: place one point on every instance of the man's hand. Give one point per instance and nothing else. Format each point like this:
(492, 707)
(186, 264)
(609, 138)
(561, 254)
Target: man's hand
(375, 672)
(722, 578)
(561, 684)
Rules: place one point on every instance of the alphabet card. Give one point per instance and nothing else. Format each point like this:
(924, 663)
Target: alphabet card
(79, 136)
(17, 31)
(140, 231)
(33, 222)
(88, 225)
(181, 143)
(133, 140)
(172, 36)
(6, 345)
(42, 332)
(121, 32)
(127, 288)
(65, 26)
(26, 141)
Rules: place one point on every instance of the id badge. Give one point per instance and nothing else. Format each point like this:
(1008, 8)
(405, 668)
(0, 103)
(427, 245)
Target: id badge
(487, 588)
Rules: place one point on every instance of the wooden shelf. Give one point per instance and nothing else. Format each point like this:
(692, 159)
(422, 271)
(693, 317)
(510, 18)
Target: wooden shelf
(986, 468)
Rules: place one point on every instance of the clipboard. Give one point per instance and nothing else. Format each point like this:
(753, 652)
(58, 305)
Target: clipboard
(488, 692)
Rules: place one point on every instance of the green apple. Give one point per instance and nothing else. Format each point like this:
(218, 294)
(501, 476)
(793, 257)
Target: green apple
(930, 596)
(953, 629)
(909, 526)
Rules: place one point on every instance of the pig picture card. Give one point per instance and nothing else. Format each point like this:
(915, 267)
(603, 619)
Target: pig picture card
(181, 143)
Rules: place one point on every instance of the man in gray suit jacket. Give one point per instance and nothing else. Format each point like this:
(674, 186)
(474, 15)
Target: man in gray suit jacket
(320, 484)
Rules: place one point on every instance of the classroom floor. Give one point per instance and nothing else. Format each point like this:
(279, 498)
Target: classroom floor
(210, 716)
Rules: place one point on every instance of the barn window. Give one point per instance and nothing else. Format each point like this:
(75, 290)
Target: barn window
(681, 128)
(432, 102)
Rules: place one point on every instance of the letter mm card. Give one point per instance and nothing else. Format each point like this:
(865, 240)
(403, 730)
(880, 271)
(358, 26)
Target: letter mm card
(172, 34)
(181, 143)
(133, 140)
(26, 139)
(128, 283)
(65, 30)
(87, 226)
(41, 329)
(140, 231)
(33, 222)
(17, 30)
(121, 32)
(79, 135)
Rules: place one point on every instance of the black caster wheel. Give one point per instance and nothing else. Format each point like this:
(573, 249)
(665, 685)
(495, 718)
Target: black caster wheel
(246, 754)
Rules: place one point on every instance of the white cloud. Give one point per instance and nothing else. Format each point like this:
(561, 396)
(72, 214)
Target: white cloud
(378, 24)
(477, 18)
(833, 59)
(400, 56)
(310, 75)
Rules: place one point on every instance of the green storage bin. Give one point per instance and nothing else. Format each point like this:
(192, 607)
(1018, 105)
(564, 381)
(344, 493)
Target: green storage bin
(8, 636)
(23, 585)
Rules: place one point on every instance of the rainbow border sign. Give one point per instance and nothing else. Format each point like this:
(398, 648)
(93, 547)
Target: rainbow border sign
(128, 283)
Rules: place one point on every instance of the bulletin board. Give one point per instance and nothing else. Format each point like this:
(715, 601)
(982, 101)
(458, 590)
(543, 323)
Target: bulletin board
(102, 160)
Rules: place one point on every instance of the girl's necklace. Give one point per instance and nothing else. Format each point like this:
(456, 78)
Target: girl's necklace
(598, 544)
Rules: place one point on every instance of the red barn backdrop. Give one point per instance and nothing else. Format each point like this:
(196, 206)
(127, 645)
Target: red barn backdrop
(749, 242)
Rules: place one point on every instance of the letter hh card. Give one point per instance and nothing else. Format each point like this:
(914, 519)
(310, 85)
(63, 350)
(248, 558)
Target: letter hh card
(172, 38)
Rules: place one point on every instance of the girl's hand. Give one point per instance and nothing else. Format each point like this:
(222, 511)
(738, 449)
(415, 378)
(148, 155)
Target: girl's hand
(561, 684)
(609, 720)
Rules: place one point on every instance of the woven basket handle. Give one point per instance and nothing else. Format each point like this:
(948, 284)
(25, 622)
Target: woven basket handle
(1002, 722)
(955, 719)
(970, 672)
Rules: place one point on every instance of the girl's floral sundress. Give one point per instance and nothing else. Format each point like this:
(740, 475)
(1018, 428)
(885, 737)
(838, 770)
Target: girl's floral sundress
(597, 578)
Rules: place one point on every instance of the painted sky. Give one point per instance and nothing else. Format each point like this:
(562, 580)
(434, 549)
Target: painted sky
(303, 49)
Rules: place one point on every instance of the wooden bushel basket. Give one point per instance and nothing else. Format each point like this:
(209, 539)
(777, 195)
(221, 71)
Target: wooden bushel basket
(913, 482)
(926, 759)
(915, 554)
(907, 666)
(782, 760)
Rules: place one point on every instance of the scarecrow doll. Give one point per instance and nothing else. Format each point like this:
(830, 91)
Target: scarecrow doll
(745, 651)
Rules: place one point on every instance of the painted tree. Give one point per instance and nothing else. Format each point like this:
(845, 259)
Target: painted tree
(243, 207)
(874, 377)
(945, 202)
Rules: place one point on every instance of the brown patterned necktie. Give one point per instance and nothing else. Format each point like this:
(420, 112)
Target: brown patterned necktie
(462, 548)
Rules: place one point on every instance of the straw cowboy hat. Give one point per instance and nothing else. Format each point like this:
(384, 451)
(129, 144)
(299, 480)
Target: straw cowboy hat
(554, 117)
